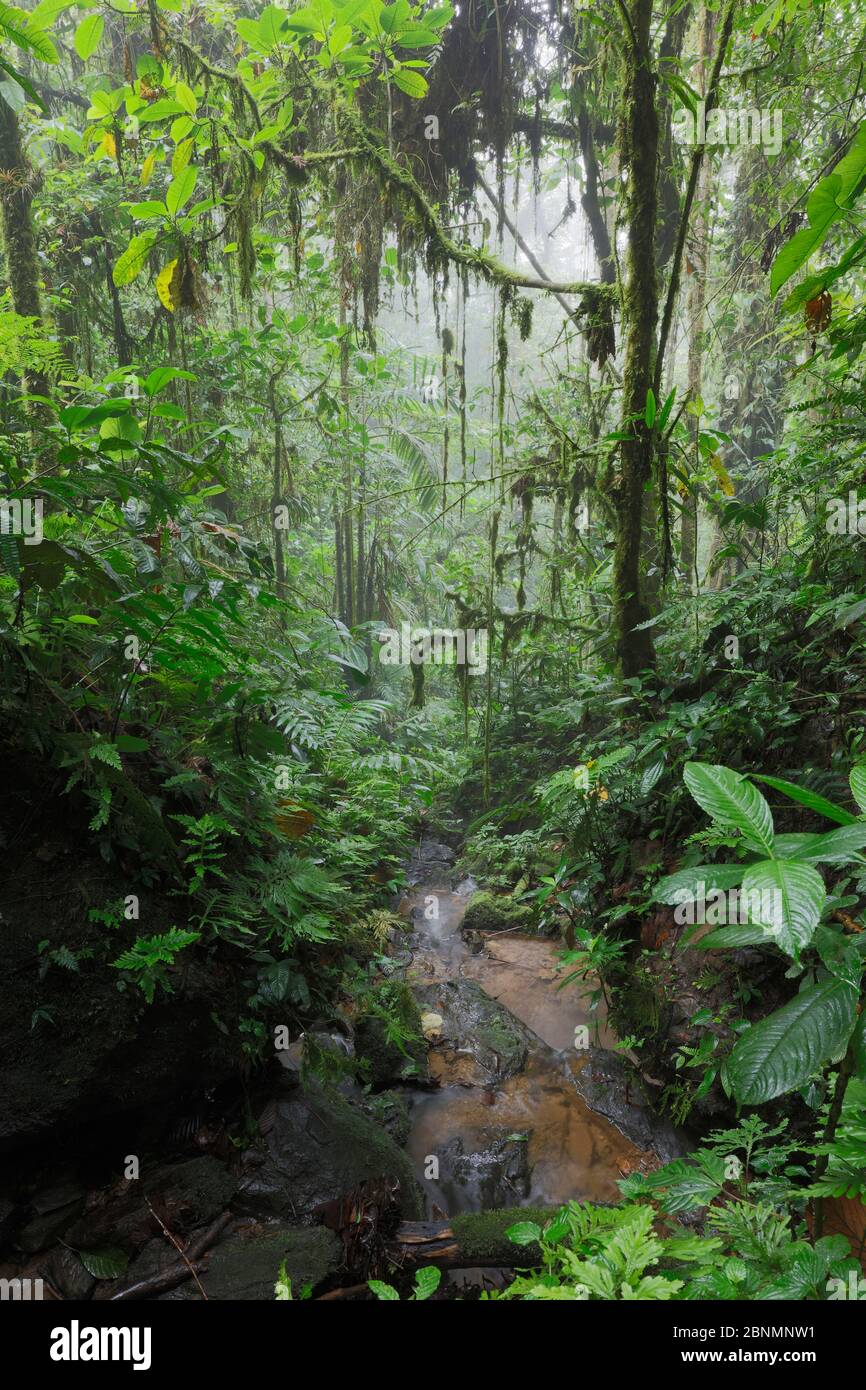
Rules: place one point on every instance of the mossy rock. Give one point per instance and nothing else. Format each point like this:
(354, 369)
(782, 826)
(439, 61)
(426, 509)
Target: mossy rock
(319, 1148)
(245, 1267)
(390, 1110)
(478, 1025)
(388, 1064)
(482, 1240)
(490, 912)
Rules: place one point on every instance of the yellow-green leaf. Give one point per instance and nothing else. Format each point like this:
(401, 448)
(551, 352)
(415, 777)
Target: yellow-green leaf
(131, 262)
(88, 36)
(181, 157)
(411, 82)
(180, 190)
(723, 477)
(186, 96)
(167, 286)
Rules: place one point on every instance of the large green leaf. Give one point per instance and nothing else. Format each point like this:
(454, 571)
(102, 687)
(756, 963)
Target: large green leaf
(840, 846)
(732, 937)
(733, 801)
(524, 1233)
(786, 899)
(88, 36)
(858, 1044)
(810, 799)
(411, 82)
(782, 1052)
(385, 1292)
(272, 27)
(181, 189)
(416, 36)
(687, 884)
(26, 32)
(827, 202)
(839, 954)
(132, 261)
(857, 780)
(427, 1281)
(107, 1263)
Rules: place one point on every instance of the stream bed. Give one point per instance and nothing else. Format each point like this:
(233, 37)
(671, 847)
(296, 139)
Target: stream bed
(532, 1106)
(519, 1098)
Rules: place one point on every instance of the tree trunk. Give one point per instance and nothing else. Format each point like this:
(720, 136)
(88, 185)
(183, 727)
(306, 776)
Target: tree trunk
(473, 1239)
(695, 302)
(639, 155)
(19, 241)
(348, 498)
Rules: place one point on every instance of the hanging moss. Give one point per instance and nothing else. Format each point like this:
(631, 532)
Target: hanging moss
(521, 313)
(422, 220)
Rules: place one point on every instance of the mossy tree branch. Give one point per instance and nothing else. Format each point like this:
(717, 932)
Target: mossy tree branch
(475, 258)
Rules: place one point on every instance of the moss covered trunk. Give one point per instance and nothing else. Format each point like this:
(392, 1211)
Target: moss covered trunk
(695, 310)
(639, 140)
(473, 1239)
(19, 241)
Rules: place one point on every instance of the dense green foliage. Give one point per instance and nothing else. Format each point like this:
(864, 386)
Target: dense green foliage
(280, 378)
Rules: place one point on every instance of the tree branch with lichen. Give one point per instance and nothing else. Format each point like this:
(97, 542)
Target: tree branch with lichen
(475, 258)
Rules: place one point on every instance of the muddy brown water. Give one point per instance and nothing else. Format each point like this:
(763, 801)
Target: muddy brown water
(573, 1153)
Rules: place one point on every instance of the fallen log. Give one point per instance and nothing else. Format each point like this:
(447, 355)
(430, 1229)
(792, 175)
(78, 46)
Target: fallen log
(472, 1239)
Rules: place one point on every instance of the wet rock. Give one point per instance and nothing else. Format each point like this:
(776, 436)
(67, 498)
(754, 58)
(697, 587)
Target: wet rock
(494, 1174)
(245, 1267)
(107, 1056)
(10, 1217)
(53, 1198)
(431, 851)
(42, 1230)
(611, 1086)
(68, 1275)
(476, 1024)
(186, 1195)
(489, 912)
(430, 859)
(302, 1052)
(319, 1148)
(158, 1254)
(466, 887)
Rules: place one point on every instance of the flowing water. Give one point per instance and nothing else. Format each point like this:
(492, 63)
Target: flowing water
(484, 1139)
